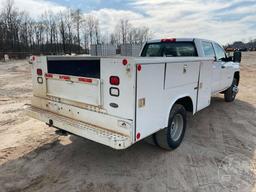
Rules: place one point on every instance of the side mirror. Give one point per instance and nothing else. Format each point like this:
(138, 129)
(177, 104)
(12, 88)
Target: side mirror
(227, 59)
(237, 56)
(230, 58)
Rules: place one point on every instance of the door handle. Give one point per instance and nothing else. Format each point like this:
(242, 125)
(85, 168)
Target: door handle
(185, 68)
(223, 67)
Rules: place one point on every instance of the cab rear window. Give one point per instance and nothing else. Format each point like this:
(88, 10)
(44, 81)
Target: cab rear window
(170, 49)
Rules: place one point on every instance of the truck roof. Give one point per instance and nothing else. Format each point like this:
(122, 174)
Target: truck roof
(171, 39)
(176, 40)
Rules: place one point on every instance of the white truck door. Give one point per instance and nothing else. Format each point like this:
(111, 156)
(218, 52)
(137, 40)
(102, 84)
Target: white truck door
(216, 66)
(204, 88)
(225, 67)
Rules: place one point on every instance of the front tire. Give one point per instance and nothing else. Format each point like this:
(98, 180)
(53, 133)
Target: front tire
(171, 137)
(230, 93)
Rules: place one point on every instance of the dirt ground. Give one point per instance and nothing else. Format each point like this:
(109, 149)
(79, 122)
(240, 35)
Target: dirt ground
(218, 152)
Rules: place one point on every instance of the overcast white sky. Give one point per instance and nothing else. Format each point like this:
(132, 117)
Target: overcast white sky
(221, 20)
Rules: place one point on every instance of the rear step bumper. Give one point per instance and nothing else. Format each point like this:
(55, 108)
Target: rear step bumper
(91, 132)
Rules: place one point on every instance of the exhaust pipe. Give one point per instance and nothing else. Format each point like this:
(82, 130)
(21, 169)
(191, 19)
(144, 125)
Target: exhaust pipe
(59, 132)
(50, 123)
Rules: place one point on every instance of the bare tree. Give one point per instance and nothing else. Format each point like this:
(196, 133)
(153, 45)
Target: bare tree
(113, 39)
(51, 25)
(62, 30)
(65, 31)
(125, 33)
(97, 31)
(123, 28)
(91, 25)
(86, 34)
(139, 35)
(69, 23)
(77, 18)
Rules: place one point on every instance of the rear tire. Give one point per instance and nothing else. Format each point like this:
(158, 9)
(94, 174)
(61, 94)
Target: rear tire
(230, 93)
(171, 137)
(151, 140)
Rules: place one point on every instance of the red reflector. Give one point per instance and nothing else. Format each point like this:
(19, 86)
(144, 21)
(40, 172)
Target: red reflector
(39, 72)
(138, 136)
(139, 67)
(86, 80)
(125, 61)
(64, 77)
(48, 75)
(33, 58)
(168, 40)
(114, 80)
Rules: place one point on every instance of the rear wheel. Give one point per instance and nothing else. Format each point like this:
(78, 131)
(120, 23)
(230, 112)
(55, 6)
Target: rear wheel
(230, 93)
(171, 137)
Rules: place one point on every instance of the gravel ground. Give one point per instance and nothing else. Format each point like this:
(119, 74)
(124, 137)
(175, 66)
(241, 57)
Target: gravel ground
(218, 152)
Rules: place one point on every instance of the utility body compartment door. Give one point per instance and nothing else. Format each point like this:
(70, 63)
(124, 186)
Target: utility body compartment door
(74, 79)
(150, 102)
(204, 84)
(88, 93)
(159, 85)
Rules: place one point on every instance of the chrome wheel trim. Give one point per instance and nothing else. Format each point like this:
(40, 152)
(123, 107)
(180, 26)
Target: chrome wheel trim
(176, 127)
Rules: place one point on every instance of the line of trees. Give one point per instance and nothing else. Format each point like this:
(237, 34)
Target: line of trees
(250, 46)
(69, 31)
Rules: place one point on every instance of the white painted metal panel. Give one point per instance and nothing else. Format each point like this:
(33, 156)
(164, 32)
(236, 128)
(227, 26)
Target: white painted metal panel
(204, 88)
(179, 74)
(227, 74)
(161, 92)
(39, 89)
(79, 92)
(126, 99)
(150, 85)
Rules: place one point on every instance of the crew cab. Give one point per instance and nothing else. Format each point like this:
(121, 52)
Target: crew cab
(118, 101)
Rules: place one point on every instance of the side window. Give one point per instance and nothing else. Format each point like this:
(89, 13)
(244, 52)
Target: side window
(208, 49)
(220, 53)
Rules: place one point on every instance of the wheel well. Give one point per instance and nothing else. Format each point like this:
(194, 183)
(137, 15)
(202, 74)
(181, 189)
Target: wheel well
(237, 76)
(186, 102)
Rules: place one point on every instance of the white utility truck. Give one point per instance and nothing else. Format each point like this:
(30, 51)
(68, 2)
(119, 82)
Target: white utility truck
(119, 101)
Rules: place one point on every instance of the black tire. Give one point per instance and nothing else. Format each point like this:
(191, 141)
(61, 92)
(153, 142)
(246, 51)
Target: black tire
(164, 137)
(151, 139)
(230, 93)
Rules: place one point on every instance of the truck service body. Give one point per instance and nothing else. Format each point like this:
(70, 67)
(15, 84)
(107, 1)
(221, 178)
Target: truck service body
(118, 101)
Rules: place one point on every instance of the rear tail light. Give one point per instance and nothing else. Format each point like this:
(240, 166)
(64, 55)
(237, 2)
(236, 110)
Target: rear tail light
(114, 80)
(39, 72)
